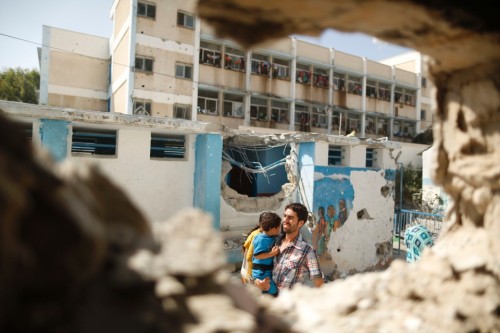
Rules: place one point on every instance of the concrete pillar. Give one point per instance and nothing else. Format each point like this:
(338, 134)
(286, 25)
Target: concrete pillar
(207, 175)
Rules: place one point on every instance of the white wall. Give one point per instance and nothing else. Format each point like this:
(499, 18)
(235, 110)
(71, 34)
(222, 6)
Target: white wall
(159, 187)
(411, 153)
(354, 245)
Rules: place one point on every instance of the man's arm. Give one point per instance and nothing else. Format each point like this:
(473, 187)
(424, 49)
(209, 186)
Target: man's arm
(274, 252)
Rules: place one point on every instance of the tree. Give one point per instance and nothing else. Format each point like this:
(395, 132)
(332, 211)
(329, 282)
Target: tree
(19, 85)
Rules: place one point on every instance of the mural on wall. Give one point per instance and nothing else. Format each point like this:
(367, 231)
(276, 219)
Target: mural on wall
(333, 197)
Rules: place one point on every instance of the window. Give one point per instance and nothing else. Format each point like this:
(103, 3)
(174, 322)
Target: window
(182, 111)
(320, 78)
(184, 71)
(279, 112)
(397, 128)
(382, 126)
(207, 102)
(335, 155)
(260, 64)
(146, 10)
(370, 157)
(185, 20)
(210, 54)
(144, 64)
(27, 129)
(93, 142)
(409, 96)
(234, 59)
(281, 69)
(233, 106)
(398, 95)
(370, 125)
(258, 109)
(301, 114)
(424, 82)
(167, 146)
(384, 92)
(303, 74)
(336, 117)
(339, 81)
(319, 118)
(354, 85)
(142, 107)
(422, 114)
(371, 89)
(352, 123)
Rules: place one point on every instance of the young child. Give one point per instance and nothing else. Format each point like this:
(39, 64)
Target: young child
(246, 266)
(265, 249)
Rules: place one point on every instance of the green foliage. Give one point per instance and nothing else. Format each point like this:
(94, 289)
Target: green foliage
(412, 185)
(425, 137)
(19, 85)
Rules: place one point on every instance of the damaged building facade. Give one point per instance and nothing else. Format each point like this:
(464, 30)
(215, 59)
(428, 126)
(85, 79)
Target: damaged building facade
(245, 130)
(162, 60)
(166, 165)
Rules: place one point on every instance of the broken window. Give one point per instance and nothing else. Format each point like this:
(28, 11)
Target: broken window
(320, 77)
(208, 102)
(182, 111)
(144, 64)
(234, 59)
(167, 146)
(233, 105)
(185, 20)
(303, 74)
(281, 69)
(260, 64)
(184, 71)
(319, 117)
(210, 53)
(142, 107)
(258, 109)
(280, 112)
(146, 10)
(93, 141)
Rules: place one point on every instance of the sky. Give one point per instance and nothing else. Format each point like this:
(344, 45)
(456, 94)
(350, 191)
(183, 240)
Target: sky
(21, 24)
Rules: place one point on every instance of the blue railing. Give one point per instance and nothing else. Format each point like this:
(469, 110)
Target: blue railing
(405, 218)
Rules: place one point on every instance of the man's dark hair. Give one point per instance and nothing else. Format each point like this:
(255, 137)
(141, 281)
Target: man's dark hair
(300, 210)
(269, 220)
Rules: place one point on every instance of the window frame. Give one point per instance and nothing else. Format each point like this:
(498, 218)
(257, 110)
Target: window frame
(186, 110)
(282, 110)
(144, 64)
(335, 155)
(260, 64)
(95, 142)
(210, 55)
(167, 146)
(184, 17)
(234, 59)
(319, 117)
(146, 104)
(236, 105)
(258, 106)
(279, 66)
(211, 99)
(146, 13)
(183, 66)
(303, 74)
(320, 77)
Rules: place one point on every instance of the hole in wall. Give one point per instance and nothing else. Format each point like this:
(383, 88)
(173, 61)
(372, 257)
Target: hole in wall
(473, 147)
(385, 190)
(363, 215)
(461, 124)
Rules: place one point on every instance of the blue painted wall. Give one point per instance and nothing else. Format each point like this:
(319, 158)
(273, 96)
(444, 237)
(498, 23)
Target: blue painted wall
(207, 175)
(54, 137)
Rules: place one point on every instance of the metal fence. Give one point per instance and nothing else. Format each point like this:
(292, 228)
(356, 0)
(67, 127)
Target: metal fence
(405, 218)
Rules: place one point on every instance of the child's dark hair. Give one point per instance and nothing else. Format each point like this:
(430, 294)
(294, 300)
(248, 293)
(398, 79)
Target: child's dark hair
(269, 220)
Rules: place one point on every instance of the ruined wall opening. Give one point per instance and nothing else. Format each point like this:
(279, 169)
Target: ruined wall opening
(255, 172)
